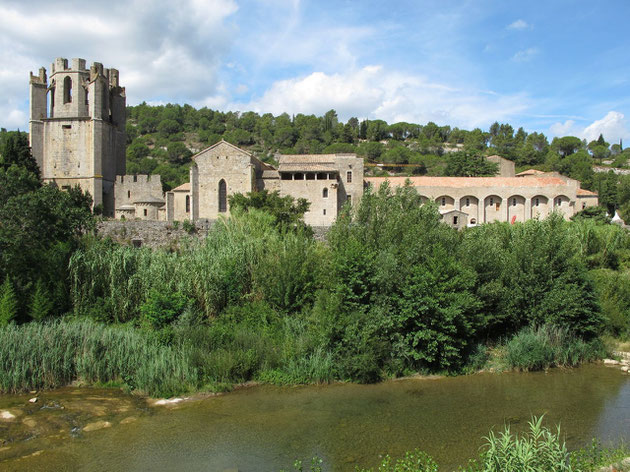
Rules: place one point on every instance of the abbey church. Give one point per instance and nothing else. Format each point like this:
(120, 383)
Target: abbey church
(77, 136)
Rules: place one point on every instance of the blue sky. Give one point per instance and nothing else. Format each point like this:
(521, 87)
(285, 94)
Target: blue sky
(560, 67)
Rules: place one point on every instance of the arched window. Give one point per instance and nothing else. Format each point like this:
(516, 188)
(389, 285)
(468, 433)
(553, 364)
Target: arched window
(51, 92)
(537, 202)
(187, 203)
(349, 176)
(67, 90)
(325, 193)
(222, 196)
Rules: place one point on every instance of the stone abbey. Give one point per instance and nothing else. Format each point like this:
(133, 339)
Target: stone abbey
(77, 135)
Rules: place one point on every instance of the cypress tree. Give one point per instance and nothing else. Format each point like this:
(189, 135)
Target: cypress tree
(8, 302)
(41, 304)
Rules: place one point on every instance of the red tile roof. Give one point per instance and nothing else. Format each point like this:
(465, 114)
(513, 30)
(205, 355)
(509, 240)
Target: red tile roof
(460, 182)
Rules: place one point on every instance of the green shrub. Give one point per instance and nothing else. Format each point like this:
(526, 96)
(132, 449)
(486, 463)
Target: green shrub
(163, 308)
(548, 346)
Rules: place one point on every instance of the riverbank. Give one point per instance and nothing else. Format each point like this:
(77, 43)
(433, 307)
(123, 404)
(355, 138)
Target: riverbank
(214, 358)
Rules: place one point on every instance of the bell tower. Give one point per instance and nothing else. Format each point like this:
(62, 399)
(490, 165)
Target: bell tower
(77, 127)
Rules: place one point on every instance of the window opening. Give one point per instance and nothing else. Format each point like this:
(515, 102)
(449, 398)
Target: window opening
(67, 90)
(325, 193)
(222, 196)
(187, 203)
(349, 177)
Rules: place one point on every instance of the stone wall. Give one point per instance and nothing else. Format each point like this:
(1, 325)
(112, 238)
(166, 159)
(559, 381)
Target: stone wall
(162, 234)
(153, 234)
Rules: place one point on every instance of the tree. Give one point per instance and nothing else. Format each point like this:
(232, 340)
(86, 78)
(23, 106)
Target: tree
(8, 302)
(41, 304)
(14, 150)
(287, 212)
(39, 227)
(467, 164)
(168, 127)
(394, 268)
(567, 145)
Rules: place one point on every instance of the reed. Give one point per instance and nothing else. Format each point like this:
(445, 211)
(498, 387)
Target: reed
(49, 355)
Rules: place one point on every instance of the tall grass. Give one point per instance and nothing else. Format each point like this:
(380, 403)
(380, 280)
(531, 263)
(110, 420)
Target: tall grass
(547, 346)
(38, 356)
(245, 257)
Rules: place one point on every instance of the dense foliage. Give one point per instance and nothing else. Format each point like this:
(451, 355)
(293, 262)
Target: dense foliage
(392, 291)
(40, 226)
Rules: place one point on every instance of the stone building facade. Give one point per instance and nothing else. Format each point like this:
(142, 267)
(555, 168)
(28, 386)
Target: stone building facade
(488, 199)
(77, 133)
(327, 181)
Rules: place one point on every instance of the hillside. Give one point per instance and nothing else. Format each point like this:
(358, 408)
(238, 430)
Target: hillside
(162, 140)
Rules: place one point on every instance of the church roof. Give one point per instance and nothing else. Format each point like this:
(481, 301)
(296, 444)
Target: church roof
(306, 163)
(182, 188)
(582, 192)
(270, 174)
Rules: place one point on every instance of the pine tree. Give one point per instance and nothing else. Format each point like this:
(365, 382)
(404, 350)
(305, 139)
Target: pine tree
(8, 302)
(41, 304)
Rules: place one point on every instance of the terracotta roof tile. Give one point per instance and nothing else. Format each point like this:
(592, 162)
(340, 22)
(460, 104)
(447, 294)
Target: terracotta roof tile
(182, 188)
(586, 193)
(460, 182)
(529, 172)
(305, 167)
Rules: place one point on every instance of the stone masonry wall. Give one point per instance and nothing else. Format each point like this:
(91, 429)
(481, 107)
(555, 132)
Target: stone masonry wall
(153, 234)
(162, 234)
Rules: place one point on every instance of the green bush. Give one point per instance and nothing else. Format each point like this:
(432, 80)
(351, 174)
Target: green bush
(548, 346)
(161, 308)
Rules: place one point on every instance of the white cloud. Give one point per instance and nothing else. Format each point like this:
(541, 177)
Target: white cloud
(165, 50)
(376, 92)
(613, 127)
(519, 25)
(525, 55)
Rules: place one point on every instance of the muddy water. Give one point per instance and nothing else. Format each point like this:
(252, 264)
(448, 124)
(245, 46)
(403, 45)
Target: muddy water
(266, 428)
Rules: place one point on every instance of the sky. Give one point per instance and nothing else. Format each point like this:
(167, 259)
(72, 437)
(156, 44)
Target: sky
(561, 67)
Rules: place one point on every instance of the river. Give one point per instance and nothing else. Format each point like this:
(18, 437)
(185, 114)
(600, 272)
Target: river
(267, 427)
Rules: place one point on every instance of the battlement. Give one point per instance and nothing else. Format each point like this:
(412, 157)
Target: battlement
(40, 79)
(61, 65)
(137, 178)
